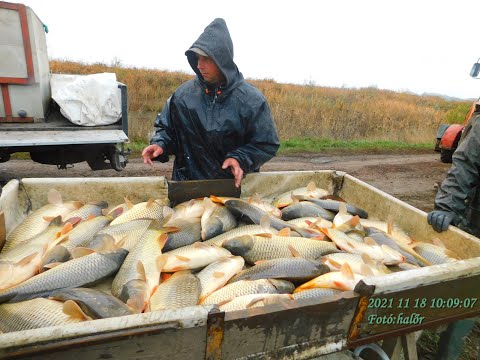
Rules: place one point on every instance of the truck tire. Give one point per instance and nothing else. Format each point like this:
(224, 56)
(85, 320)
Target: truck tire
(446, 155)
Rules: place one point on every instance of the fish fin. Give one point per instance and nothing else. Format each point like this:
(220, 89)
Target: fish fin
(81, 251)
(150, 202)
(218, 274)
(354, 221)
(265, 222)
(104, 212)
(165, 276)
(342, 208)
(48, 218)
(294, 251)
(285, 232)
(54, 197)
(366, 270)
(339, 285)
(51, 265)
(265, 235)
(68, 226)
(90, 217)
(137, 303)
(367, 259)
(295, 199)
(370, 241)
(320, 237)
(334, 263)
(436, 241)
(141, 270)
(254, 301)
(161, 262)
(26, 260)
(200, 245)
(346, 271)
(259, 262)
(120, 243)
(182, 258)
(72, 309)
(217, 199)
(162, 239)
(78, 204)
(390, 225)
(116, 213)
(128, 203)
(223, 302)
(311, 186)
(107, 242)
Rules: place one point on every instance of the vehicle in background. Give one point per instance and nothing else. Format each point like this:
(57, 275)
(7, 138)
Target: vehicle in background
(448, 136)
(30, 120)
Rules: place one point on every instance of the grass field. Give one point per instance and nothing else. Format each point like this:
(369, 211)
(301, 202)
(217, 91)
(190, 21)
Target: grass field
(304, 115)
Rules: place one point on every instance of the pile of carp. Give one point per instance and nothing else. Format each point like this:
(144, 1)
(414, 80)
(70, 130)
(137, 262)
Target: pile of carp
(72, 261)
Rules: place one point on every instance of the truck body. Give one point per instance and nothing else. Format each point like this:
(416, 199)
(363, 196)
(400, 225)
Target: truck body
(30, 121)
(302, 329)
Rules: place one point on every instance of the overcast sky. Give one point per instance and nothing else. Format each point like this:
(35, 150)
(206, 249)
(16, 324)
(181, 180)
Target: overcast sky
(408, 45)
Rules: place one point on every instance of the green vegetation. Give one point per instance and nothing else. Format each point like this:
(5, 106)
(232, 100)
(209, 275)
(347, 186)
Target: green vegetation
(317, 145)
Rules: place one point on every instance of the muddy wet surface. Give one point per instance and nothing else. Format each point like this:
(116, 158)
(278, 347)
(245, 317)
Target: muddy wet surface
(409, 177)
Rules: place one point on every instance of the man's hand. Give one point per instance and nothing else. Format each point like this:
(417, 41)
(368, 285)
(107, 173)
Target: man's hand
(151, 152)
(440, 220)
(235, 168)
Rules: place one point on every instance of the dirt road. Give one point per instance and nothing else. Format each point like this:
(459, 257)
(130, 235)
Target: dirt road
(407, 176)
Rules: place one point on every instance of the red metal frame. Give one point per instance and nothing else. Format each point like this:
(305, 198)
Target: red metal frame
(4, 81)
(22, 12)
(450, 135)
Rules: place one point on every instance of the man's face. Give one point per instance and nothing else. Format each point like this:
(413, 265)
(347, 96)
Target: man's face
(209, 70)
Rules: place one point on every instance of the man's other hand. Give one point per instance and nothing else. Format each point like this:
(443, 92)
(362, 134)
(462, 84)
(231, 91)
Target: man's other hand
(235, 168)
(440, 220)
(151, 152)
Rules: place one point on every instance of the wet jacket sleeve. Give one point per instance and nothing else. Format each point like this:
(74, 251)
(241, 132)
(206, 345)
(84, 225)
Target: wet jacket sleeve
(262, 141)
(464, 173)
(164, 133)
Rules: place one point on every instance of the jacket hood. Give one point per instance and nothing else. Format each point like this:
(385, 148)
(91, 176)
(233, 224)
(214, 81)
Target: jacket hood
(216, 42)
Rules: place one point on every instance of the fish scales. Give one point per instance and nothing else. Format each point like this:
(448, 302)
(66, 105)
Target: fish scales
(240, 231)
(180, 290)
(74, 273)
(33, 314)
(146, 250)
(245, 287)
(292, 269)
(261, 248)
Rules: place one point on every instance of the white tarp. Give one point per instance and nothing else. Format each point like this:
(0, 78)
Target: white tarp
(88, 100)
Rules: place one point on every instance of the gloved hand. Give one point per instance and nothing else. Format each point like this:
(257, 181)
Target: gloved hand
(440, 219)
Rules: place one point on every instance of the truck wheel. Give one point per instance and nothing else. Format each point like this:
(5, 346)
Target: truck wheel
(446, 155)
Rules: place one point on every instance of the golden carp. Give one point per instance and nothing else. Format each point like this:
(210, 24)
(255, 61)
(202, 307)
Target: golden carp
(38, 220)
(343, 280)
(215, 220)
(78, 272)
(435, 253)
(141, 264)
(34, 314)
(291, 269)
(255, 248)
(310, 190)
(254, 300)
(245, 287)
(93, 303)
(217, 274)
(180, 290)
(152, 209)
(192, 257)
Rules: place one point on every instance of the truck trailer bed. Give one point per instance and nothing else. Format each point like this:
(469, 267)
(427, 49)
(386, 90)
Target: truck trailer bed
(300, 330)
